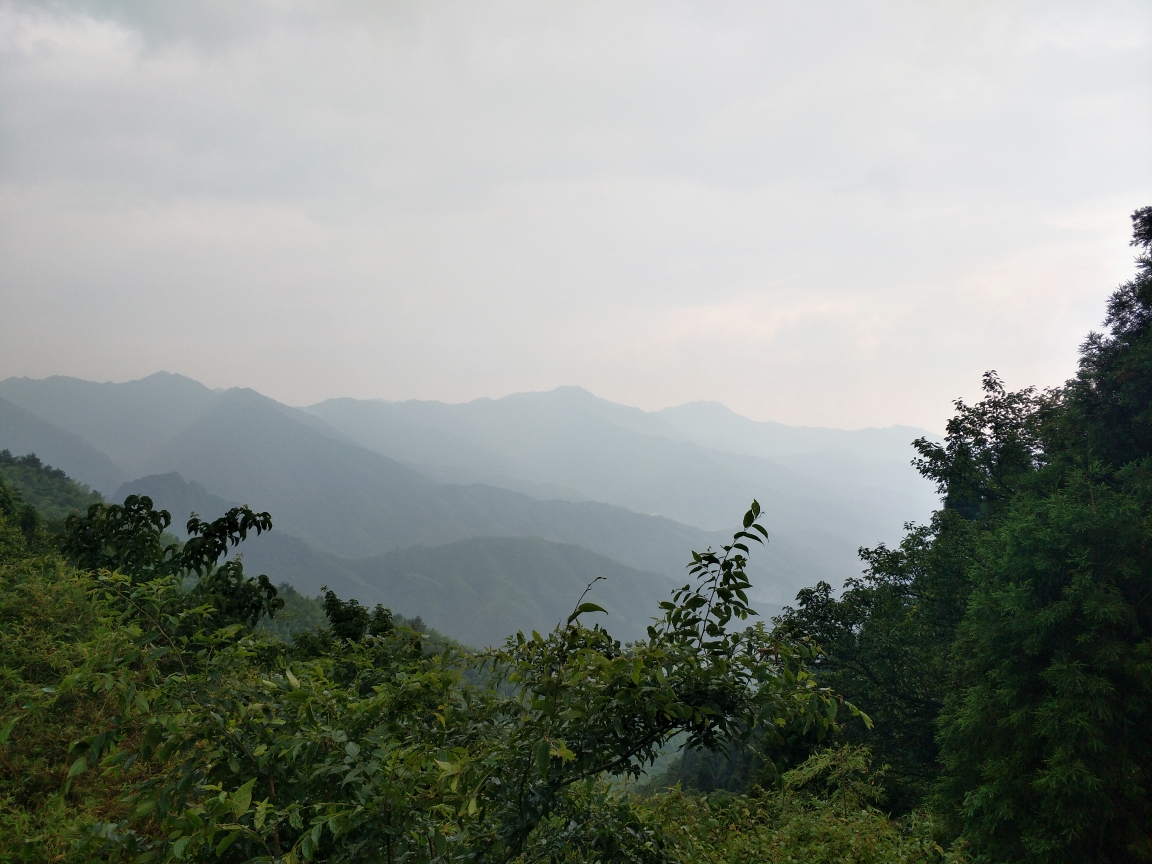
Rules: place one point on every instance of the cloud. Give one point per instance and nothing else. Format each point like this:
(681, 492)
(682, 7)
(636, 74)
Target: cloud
(861, 206)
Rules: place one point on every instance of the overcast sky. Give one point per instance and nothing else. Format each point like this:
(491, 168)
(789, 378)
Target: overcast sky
(820, 213)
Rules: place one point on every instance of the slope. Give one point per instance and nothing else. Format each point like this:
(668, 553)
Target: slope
(569, 443)
(479, 590)
(53, 493)
(23, 432)
(360, 478)
(642, 542)
(822, 504)
(124, 421)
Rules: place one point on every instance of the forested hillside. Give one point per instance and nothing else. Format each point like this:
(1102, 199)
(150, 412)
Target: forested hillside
(479, 590)
(48, 489)
(824, 490)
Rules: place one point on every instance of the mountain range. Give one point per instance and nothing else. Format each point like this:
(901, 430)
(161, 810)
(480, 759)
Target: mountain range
(358, 482)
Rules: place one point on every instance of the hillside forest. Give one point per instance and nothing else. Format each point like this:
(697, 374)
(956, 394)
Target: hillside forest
(981, 692)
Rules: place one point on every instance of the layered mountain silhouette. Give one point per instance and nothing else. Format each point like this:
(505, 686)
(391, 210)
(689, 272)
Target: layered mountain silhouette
(351, 480)
(23, 432)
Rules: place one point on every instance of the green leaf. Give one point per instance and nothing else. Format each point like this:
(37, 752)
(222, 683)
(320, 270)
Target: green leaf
(7, 728)
(143, 807)
(242, 798)
(542, 759)
(78, 767)
(226, 842)
(585, 607)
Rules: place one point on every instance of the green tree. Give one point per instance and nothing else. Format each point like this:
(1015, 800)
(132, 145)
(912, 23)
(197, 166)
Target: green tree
(1047, 734)
(129, 538)
(888, 636)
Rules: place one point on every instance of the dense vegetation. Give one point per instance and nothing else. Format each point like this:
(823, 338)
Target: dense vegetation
(1005, 649)
(48, 489)
(153, 710)
(148, 715)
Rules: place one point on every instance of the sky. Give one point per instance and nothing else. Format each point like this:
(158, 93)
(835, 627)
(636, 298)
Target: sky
(833, 214)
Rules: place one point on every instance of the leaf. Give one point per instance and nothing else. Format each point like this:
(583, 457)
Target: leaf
(585, 607)
(7, 728)
(261, 815)
(562, 752)
(242, 798)
(180, 846)
(292, 680)
(226, 842)
(542, 758)
(143, 807)
(78, 767)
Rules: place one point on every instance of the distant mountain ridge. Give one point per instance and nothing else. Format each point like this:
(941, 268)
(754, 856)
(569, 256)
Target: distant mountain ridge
(577, 446)
(355, 479)
(23, 432)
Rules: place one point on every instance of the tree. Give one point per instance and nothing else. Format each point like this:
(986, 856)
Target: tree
(886, 638)
(129, 538)
(1046, 738)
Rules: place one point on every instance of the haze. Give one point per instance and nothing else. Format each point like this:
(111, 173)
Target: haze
(822, 214)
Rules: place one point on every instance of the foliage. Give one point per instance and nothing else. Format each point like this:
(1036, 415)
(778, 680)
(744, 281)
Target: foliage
(824, 811)
(1004, 648)
(1047, 744)
(887, 640)
(988, 449)
(20, 524)
(129, 538)
(376, 726)
(53, 636)
(300, 614)
(206, 739)
(48, 489)
(1108, 415)
(1047, 737)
